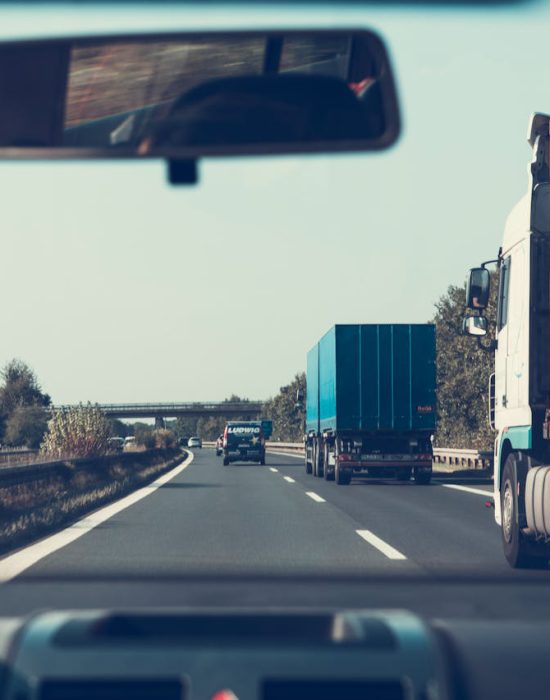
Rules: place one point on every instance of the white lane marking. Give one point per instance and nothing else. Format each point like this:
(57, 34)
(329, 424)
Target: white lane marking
(468, 489)
(286, 454)
(272, 469)
(382, 546)
(289, 479)
(315, 497)
(14, 564)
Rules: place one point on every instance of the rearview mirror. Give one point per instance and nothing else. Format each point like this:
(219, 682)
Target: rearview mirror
(478, 288)
(184, 96)
(474, 325)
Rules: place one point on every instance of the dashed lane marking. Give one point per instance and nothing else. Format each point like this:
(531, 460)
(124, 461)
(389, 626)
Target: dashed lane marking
(380, 545)
(315, 497)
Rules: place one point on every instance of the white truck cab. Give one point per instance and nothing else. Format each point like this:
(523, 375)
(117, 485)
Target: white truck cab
(520, 387)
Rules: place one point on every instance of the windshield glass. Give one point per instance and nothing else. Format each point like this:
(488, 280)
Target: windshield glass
(137, 315)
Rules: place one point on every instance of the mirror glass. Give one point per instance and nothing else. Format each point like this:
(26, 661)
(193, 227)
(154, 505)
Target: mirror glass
(186, 95)
(477, 288)
(475, 325)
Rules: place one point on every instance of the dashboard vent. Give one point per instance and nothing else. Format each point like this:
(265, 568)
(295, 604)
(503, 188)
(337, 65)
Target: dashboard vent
(332, 689)
(113, 689)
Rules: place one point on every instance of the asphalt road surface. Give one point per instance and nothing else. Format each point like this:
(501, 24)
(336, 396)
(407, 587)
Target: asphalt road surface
(273, 520)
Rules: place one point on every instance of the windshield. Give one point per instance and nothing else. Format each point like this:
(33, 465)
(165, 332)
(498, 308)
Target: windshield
(137, 315)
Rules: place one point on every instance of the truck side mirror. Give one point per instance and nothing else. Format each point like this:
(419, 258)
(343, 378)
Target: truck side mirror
(299, 398)
(474, 325)
(477, 288)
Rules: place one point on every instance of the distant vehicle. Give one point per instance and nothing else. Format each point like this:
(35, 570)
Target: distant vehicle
(183, 441)
(116, 444)
(371, 402)
(219, 446)
(243, 441)
(194, 442)
(130, 440)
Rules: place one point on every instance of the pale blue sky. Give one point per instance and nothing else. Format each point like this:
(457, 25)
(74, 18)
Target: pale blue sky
(117, 287)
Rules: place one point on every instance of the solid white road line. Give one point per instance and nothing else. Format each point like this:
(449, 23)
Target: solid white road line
(469, 489)
(382, 546)
(315, 497)
(272, 469)
(14, 564)
(286, 454)
(289, 479)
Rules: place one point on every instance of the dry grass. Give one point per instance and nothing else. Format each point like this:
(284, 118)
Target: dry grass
(29, 511)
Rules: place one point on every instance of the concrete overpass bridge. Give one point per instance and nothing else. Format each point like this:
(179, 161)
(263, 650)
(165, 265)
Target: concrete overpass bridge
(250, 410)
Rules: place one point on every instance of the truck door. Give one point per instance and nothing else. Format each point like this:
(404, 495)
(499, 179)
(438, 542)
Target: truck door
(501, 356)
(517, 302)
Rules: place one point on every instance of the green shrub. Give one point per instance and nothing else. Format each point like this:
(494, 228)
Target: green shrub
(83, 431)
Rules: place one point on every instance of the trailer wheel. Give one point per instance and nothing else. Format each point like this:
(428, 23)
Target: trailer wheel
(317, 459)
(520, 552)
(226, 461)
(307, 463)
(328, 473)
(404, 474)
(422, 478)
(342, 476)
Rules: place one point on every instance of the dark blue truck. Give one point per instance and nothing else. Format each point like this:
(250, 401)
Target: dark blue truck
(371, 402)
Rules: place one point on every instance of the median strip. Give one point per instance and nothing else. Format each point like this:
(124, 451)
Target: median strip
(380, 545)
(315, 497)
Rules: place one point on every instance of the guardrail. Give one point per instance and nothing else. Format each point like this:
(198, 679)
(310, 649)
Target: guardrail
(12, 475)
(472, 459)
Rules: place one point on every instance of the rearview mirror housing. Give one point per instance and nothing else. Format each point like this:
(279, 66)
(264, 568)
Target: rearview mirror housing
(474, 325)
(478, 287)
(184, 96)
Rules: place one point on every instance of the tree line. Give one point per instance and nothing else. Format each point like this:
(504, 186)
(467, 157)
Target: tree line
(463, 371)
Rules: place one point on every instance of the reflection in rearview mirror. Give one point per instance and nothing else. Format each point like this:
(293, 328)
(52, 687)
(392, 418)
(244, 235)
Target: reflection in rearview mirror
(187, 95)
(477, 288)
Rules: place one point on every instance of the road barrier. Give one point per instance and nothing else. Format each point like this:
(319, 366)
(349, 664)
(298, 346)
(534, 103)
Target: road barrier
(13, 475)
(469, 459)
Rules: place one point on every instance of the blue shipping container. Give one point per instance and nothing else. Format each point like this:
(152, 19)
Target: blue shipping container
(373, 378)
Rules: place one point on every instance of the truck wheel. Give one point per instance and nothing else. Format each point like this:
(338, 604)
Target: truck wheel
(226, 461)
(307, 464)
(520, 552)
(404, 474)
(262, 460)
(317, 460)
(328, 472)
(342, 476)
(422, 478)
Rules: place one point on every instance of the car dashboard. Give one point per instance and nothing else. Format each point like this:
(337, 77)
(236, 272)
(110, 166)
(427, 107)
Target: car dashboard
(249, 655)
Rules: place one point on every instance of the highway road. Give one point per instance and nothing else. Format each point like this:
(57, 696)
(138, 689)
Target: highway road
(245, 519)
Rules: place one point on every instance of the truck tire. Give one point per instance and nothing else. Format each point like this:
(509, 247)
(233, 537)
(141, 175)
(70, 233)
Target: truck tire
(404, 474)
(328, 473)
(520, 552)
(226, 461)
(317, 459)
(262, 460)
(342, 476)
(307, 464)
(422, 478)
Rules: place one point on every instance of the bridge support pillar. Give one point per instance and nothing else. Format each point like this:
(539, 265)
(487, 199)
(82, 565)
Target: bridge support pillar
(159, 422)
